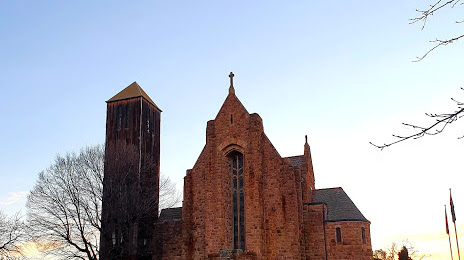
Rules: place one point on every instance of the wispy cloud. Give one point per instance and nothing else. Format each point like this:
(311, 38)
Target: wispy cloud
(13, 197)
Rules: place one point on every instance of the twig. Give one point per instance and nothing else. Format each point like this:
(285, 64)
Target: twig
(441, 121)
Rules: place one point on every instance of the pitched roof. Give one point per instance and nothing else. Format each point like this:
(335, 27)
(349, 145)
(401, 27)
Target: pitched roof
(296, 160)
(132, 91)
(170, 214)
(339, 206)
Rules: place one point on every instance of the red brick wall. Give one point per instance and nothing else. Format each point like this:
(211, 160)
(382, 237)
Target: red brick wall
(277, 225)
(272, 190)
(308, 174)
(168, 241)
(351, 247)
(319, 241)
(313, 216)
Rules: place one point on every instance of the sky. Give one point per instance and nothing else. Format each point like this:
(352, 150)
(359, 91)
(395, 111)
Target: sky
(341, 72)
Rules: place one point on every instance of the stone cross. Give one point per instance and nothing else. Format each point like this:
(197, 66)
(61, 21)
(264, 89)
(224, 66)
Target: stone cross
(231, 76)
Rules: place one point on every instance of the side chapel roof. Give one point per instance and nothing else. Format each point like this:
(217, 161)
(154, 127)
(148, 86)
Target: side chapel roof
(170, 214)
(296, 160)
(339, 206)
(132, 91)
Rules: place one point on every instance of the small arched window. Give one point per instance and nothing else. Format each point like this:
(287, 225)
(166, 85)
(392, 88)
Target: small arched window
(339, 234)
(363, 235)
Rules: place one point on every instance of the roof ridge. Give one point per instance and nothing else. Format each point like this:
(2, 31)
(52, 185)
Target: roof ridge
(294, 156)
(333, 188)
(172, 208)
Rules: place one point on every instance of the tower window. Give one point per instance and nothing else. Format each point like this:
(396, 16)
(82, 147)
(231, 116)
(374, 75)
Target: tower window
(238, 201)
(152, 120)
(363, 234)
(155, 120)
(118, 117)
(113, 238)
(126, 116)
(148, 122)
(231, 118)
(339, 234)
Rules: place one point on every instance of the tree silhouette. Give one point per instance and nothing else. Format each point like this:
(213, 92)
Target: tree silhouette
(12, 235)
(64, 206)
(403, 254)
(407, 252)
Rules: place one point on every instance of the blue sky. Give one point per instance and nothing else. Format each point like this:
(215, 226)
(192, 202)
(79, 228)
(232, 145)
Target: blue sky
(339, 71)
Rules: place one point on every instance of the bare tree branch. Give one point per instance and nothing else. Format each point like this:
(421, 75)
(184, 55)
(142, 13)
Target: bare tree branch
(438, 43)
(439, 124)
(423, 17)
(424, 14)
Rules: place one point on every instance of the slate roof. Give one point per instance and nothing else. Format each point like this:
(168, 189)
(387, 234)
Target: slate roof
(170, 214)
(339, 206)
(132, 91)
(296, 160)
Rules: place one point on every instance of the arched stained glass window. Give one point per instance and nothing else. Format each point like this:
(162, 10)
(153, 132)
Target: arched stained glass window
(238, 199)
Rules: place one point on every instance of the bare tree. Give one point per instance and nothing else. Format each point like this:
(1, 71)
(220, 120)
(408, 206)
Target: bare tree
(168, 195)
(65, 204)
(426, 14)
(12, 236)
(64, 207)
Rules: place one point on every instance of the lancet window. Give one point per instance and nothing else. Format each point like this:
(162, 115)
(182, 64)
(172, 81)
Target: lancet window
(238, 207)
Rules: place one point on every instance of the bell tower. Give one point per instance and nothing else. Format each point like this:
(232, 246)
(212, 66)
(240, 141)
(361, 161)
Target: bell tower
(131, 175)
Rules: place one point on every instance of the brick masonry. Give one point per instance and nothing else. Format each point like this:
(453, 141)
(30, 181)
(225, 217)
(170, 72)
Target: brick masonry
(351, 246)
(282, 220)
(277, 225)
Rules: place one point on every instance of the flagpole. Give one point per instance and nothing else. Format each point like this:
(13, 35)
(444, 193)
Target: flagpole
(447, 231)
(457, 243)
(453, 215)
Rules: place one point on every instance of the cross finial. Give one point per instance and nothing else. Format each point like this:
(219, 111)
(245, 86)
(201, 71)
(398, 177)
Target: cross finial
(231, 88)
(231, 76)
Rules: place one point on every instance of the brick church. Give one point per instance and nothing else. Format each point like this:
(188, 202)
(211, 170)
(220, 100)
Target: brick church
(242, 200)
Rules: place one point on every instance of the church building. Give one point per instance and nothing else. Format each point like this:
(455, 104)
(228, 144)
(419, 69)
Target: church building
(242, 200)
